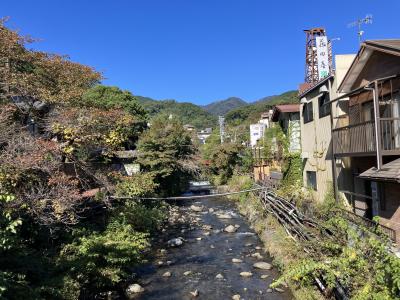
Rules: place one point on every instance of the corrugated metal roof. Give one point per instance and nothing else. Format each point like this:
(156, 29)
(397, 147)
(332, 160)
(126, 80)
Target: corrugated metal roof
(389, 172)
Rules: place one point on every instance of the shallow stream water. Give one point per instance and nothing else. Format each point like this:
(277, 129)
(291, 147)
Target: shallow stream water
(206, 253)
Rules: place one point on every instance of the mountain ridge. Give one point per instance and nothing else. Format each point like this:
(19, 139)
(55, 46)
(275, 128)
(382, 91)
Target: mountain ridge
(202, 116)
(221, 107)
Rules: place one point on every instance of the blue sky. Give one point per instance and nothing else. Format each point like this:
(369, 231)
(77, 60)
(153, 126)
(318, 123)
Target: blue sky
(197, 50)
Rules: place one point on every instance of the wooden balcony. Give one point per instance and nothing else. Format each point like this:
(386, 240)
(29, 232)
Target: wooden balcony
(359, 139)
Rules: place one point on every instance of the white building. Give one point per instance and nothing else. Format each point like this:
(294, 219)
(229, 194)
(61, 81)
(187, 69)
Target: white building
(256, 133)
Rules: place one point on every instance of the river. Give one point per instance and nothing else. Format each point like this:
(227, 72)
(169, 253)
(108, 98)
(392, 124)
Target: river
(189, 271)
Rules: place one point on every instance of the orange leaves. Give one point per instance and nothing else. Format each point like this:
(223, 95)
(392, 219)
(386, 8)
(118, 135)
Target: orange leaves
(44, 76)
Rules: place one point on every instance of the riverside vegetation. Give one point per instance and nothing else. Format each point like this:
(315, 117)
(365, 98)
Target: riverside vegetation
(61, 235)
(356, 257)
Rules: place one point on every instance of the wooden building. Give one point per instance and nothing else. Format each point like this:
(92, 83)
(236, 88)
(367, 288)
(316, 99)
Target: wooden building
(366, 134)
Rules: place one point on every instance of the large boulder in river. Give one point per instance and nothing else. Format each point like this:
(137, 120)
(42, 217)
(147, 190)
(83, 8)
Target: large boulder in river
(230, 229)
(262, 265)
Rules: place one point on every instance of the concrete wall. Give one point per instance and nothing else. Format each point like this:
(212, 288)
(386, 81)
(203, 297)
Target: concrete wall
(316, 136)
(316, 142)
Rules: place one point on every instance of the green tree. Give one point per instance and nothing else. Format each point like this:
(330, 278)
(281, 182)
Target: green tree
(166, 150)
(111, 97)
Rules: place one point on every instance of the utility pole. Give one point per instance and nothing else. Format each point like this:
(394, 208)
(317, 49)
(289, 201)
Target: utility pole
(221, 121)
(359, 23)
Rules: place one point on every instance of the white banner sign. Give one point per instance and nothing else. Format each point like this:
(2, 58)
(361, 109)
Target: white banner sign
(322, 56)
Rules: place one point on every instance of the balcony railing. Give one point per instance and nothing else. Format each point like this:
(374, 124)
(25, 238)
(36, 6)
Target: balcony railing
(360, 138)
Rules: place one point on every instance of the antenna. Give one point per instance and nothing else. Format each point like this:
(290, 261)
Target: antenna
(359, 23)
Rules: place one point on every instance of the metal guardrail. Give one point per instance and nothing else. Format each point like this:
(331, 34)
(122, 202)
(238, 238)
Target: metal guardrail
(391, 233)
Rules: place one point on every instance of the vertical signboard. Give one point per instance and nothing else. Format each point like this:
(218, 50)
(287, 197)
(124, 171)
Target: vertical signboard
(322, 56)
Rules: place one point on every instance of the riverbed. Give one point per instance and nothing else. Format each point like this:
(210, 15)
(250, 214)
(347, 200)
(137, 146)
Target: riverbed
(210, 263)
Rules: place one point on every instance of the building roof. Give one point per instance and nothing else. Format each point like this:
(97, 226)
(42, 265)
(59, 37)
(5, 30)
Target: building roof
(391, 46)
(284, 108)
(307, 87)
(389, 172)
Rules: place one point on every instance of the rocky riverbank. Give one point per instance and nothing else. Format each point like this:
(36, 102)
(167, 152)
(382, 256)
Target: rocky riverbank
(207, 251)
(281, 248)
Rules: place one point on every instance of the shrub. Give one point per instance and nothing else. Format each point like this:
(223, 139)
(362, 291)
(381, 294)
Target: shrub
(100, 260)
(139, 185)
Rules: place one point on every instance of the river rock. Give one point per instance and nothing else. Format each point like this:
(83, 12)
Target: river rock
(206, 227)
(211, 210)
(236, 297)
(163, 251)
(219, 276)
(279, 290)
(269, 291)
(230, 229)
(246, 274)
(264, 276)
(207, 233)
(134, 289)
(257, 255)
(176, 242)
(167, 274)
(199, 238)
(248, 244)
(258, 248)
(187, 273)
(196, 208)
(237, 260)
(262, 265)
(195, 293)
(237, 226)
(212, 246)
(224, 216)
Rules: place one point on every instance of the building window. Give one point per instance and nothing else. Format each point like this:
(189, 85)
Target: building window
(324, 110)
(308, 112)
(312, 180)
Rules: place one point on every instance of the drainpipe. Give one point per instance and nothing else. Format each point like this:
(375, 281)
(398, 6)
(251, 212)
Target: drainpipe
(377, 121)
(333, 159)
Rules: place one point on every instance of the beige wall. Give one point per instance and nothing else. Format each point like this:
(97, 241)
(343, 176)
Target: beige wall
(316, 136)
(315, 145)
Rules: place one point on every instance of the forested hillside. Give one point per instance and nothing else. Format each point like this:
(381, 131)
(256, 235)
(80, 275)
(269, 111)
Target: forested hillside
(236, 110)
(220, 108)
(251, 112)
(187, 113)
